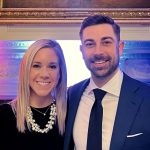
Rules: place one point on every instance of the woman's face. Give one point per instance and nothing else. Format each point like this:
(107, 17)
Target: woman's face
(44, 73)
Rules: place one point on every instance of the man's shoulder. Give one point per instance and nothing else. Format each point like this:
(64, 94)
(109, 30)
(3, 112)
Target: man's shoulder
(80, 84)
(133, 83)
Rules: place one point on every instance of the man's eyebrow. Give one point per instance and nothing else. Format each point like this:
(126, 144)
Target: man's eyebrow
(107, 37)
(88, 40)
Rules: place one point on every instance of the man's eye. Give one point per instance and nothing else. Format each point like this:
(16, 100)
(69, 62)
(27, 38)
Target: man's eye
(89, 44)
(106, 42)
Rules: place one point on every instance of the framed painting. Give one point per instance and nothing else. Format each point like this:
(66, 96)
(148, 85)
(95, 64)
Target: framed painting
(72, 11)
(135, 60)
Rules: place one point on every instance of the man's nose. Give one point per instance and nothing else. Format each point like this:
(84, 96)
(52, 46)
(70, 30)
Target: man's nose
(98, 49)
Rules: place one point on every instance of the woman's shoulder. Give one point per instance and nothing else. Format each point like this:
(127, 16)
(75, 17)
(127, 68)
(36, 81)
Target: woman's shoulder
(5, 109)
(7, 121)
(4, 106)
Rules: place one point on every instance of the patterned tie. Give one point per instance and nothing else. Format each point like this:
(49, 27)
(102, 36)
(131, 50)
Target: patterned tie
(94, 141)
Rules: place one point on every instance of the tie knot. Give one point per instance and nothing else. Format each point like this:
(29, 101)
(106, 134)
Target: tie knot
(99, 94)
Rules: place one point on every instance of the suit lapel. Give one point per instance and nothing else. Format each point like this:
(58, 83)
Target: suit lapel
(74, 96)
(128, 105)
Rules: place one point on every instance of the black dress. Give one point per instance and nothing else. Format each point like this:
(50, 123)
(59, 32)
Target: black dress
(10, 138)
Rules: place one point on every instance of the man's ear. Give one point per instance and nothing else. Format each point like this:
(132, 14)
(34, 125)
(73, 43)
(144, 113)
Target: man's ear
(121, 46)
(81, 48)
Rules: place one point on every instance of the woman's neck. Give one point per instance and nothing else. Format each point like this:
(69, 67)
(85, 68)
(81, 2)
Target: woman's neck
(39, 102)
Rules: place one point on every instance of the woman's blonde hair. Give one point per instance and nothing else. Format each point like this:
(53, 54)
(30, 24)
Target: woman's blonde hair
(20, 104)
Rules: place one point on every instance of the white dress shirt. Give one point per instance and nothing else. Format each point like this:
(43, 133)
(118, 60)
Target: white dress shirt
(109, 103)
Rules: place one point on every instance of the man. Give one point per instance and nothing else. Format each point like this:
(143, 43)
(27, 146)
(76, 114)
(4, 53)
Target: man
(126, 105)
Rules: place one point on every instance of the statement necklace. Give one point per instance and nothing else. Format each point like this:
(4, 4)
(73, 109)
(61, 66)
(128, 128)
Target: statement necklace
(52, 117)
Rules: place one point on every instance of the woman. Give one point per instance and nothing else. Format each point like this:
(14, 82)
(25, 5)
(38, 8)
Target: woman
(36, 118)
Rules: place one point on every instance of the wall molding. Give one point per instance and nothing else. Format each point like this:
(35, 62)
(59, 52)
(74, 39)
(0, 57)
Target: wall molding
(71, 15)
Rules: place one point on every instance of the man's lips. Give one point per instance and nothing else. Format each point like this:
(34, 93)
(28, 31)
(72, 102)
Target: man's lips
(100, 62)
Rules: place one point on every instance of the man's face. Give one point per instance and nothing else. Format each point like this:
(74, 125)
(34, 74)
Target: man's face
(101, 50)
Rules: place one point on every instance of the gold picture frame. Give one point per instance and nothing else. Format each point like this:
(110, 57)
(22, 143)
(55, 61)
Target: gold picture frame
(69, 15)
(1, 4)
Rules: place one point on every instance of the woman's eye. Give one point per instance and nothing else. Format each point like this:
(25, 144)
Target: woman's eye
(36, 66)
(53, 66)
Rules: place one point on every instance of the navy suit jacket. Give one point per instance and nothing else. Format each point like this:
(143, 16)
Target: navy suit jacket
(131, 129)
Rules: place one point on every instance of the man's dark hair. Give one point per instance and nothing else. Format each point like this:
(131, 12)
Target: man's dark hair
(99, 19)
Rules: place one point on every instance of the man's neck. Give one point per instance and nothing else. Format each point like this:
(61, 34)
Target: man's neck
(100, 81)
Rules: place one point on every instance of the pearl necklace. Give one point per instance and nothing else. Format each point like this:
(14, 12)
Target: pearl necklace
(35, 127)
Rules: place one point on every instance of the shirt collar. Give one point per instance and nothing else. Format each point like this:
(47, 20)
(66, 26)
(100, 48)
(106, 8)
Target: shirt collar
(113, 86)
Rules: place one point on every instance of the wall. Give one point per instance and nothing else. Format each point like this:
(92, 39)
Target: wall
(137, 52)
(66, 31)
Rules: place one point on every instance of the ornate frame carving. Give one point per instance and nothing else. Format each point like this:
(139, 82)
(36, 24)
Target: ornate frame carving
(71, 15)
(1, 3)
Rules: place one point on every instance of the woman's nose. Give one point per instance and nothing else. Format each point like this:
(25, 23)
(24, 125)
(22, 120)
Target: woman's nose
(44, 72)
